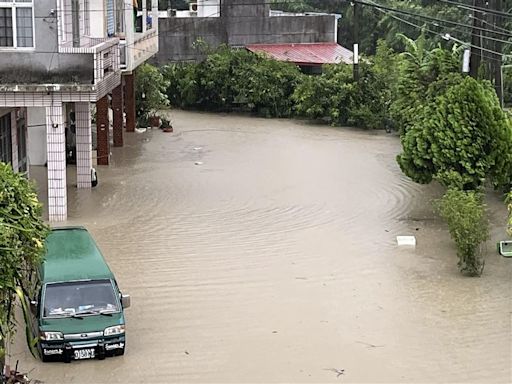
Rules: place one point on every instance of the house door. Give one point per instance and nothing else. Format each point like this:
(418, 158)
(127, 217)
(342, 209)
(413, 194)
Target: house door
(5, 139)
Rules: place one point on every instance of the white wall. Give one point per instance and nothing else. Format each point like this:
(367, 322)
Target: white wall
(208, 8)
(36, 145)
(97, 20)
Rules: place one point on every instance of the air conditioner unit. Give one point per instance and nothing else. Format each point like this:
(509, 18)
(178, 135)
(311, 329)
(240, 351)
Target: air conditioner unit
(171, 12)
(193, 7)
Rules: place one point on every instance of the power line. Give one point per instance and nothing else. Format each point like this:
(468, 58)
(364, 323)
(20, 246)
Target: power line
(458, 28)
(442, 35)
(508, 34)
(476, 8)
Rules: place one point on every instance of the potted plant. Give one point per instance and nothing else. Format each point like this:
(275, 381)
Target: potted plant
(166, 125)
(142, 120)
(154, 120)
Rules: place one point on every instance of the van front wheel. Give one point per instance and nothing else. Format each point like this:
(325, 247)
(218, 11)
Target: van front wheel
(44, 358)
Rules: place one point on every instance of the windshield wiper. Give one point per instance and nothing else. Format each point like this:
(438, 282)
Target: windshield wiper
(104, 312)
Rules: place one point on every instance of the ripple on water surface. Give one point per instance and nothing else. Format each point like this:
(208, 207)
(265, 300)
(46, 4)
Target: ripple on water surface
(274, 260)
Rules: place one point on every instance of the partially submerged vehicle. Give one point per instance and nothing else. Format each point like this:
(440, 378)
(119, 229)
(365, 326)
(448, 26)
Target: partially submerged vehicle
(78, 312)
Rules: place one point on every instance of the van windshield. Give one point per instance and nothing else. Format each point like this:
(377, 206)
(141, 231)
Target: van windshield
(91, 297)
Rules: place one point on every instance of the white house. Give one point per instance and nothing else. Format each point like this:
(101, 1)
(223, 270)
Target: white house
(57, 59)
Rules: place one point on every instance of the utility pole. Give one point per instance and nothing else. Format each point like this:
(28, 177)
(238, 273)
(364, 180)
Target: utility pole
(476, 39)
(497, 22)
(356, 40)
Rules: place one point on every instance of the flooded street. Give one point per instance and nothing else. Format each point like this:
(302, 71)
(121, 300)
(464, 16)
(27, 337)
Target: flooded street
(260, 250)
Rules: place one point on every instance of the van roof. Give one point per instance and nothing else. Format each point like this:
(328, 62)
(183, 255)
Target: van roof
(72, 254)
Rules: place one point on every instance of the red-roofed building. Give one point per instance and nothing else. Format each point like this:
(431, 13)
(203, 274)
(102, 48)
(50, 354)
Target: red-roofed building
(305, 54)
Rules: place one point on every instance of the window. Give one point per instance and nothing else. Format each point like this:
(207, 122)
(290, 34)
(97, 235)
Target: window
(111, 24)
(5, 139)
(16, 24)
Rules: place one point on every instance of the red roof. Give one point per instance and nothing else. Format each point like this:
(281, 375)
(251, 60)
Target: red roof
(312, 54)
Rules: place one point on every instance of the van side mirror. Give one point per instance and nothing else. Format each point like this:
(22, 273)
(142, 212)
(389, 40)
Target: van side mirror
(125, 301)
(33, 306)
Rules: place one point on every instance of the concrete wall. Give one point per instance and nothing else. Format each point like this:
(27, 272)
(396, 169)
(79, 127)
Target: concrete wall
(44, 64)
(236, 28)
(244, 8)
(178, 34)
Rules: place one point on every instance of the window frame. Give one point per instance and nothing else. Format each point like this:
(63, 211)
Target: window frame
(13, 5)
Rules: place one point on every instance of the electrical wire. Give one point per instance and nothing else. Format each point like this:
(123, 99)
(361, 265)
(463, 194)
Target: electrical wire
(444, 37)
(477, 9)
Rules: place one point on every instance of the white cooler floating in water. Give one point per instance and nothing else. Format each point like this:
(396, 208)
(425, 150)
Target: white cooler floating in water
(406, 240)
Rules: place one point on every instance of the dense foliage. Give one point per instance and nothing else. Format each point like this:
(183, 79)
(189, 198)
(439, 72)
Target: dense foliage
(379, 24)
(423, 74)
(230, 79)
(462, 138)
(22, 235)
(150, 88)
(464, 211)
(338, 97)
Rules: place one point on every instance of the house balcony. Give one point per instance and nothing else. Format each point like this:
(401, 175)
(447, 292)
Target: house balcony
(139, 37)
(91, 68)
(102, 55)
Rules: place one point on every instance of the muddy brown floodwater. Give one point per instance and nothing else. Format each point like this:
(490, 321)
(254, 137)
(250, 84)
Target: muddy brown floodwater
(261, 250)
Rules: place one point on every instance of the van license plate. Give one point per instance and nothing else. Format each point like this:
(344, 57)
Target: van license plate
(84, 354)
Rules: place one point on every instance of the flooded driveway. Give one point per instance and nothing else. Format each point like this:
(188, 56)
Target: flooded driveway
(261, 250)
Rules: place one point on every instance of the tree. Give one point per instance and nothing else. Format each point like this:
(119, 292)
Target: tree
(233, 79)
(337, 97)
(424, 73)
(266, 86)
(464, 212)
(150, 92)
(22, 235)
(462, 139)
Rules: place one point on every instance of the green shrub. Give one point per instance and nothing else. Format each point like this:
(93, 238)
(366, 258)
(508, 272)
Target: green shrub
(230, 79)
(22, 235)
(150, 88)
(464, 212)
(462, 139)
(336, 96)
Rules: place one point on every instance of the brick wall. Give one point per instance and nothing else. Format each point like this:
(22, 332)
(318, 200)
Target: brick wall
(117, 106)
(129, 102)
(102, 136)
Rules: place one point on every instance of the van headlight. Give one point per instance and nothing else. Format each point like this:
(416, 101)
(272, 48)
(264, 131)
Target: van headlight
(115, 330)
(51, 336)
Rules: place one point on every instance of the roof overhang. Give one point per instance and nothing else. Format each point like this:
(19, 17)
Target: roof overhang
(305, 54)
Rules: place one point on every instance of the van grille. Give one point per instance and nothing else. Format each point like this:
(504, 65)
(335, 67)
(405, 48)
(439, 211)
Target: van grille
(83, 336)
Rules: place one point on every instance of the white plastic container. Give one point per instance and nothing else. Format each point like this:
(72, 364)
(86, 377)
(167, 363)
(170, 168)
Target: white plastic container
(406, 240)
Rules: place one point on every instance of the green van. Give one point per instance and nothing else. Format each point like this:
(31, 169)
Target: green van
(78, 313)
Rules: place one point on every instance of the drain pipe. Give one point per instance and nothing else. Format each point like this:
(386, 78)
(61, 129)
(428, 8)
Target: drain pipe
(75, 18)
